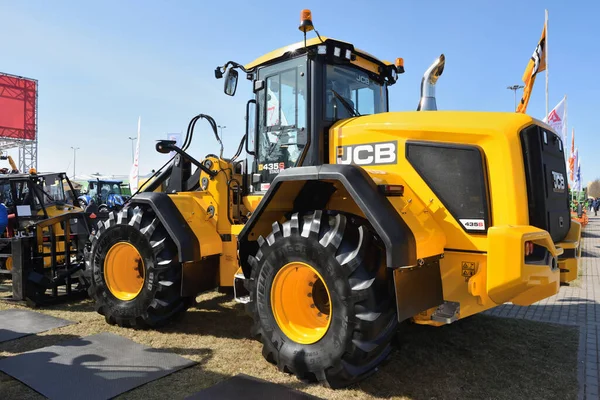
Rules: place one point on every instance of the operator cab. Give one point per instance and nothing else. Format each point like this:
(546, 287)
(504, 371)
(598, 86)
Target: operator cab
(301, 91)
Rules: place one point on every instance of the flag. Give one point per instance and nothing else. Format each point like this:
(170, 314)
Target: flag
(578, 179)
(575, 161)
(134, 173)
(536, 64)
(571, 159)
(557, 119)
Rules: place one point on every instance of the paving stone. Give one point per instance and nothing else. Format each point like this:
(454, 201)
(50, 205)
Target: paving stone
(578, 306)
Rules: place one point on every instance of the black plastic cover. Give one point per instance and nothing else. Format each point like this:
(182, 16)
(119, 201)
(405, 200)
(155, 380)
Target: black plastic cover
(547, 182)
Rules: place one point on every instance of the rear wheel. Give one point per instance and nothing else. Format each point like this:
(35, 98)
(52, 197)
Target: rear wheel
(135, 271)
(322, 299)
(7, 264)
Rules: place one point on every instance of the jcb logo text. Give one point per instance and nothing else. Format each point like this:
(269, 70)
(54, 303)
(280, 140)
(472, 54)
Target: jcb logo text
(368, 153)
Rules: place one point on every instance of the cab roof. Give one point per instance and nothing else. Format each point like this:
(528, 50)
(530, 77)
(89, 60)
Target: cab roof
(106, 180)
(283, 51)
(21, 176)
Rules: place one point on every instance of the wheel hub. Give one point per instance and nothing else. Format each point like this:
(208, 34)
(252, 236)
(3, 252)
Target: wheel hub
(301, 303)
(124, 271)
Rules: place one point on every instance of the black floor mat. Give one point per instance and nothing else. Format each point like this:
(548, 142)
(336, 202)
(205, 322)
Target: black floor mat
(249, 388)
(18, 323)
(94, 367)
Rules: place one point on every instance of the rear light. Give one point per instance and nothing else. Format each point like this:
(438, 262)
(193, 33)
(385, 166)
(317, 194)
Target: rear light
(391, 190)
(528, 248)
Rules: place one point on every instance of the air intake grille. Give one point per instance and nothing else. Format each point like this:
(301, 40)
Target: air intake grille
(456, 174)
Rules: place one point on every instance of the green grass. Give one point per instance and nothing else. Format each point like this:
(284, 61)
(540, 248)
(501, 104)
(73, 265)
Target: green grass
(480, 357)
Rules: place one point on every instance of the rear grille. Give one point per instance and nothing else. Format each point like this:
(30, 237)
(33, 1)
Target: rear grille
(547, 184)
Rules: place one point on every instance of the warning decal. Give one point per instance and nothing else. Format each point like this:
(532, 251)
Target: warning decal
(468, 269)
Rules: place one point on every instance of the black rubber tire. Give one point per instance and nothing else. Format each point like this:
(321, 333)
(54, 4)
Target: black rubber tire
(160, 301)
(351, 260)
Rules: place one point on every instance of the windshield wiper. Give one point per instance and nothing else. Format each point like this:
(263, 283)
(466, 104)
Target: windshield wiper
(345, 103)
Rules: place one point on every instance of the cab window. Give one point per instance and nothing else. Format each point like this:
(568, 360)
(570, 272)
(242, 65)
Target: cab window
(362, 92)
(92, 189)
(281, 118)
(6, 196)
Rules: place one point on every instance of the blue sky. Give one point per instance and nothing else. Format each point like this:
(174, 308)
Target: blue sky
(101, 64)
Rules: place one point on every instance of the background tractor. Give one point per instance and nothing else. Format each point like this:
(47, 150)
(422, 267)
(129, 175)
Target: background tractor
(42, 237)
(344, 219)
(103, 196)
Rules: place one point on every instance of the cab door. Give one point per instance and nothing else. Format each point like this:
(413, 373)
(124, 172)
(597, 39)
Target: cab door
(281, 122)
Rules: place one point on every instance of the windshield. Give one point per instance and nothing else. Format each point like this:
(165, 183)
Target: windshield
(362, 94)
(55, 189)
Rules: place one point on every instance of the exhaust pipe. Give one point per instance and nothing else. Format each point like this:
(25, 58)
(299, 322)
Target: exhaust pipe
(427, 102)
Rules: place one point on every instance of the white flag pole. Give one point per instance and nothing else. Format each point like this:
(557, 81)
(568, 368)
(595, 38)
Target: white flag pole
(565, 131)
(134, 173)
(546, 56)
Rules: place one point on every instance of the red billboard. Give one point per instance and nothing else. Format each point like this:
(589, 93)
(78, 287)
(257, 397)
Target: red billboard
(18, 107)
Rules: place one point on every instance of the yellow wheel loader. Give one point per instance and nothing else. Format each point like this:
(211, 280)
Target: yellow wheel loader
(345, 219)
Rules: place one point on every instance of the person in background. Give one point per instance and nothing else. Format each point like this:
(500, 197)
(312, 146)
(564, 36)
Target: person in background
(596, 205)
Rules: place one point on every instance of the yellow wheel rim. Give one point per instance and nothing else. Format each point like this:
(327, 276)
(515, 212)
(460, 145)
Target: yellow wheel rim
(124, 271)
(8, 264)
(301, 303)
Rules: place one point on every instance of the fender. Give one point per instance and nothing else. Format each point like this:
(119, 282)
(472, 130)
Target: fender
(397, 237)
(178, 229)
(86, 198)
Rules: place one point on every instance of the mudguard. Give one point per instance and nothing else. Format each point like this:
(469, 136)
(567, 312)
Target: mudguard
(86, 198)
(394, 232)
(168, 214)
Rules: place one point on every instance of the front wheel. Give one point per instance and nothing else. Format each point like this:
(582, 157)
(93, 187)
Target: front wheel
(322, 299)
(135, 271)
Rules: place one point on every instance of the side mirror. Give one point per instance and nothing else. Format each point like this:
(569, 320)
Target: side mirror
(231, 78)
(165, 146)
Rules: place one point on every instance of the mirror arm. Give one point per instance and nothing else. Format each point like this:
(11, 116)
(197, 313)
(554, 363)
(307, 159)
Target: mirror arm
(164, 146)
(220, 70)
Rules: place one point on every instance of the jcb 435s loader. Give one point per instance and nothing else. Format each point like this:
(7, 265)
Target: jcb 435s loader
(345, 219)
